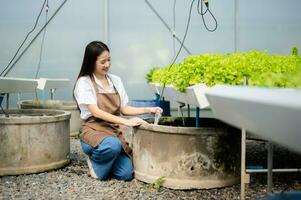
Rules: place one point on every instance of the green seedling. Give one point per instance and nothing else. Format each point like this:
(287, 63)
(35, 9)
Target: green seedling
(158, 183)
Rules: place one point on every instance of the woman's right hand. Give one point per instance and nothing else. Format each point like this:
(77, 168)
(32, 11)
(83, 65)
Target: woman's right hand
(134, 122)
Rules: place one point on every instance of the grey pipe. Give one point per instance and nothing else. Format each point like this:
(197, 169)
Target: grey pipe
(274, 170)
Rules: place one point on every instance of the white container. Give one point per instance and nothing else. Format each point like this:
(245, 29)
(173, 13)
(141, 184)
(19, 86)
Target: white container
(271, 113)
(193, 95)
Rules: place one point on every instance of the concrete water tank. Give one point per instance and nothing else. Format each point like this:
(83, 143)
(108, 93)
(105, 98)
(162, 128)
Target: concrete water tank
(75, 121)
(33, 140)
(187, 157)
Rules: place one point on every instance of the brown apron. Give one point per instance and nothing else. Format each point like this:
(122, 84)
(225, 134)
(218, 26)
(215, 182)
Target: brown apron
(95, 129)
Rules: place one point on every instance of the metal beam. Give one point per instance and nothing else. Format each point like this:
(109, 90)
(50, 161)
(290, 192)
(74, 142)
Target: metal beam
(166, 25)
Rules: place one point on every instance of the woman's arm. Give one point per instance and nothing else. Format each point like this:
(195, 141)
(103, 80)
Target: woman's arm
(129, 110)
(98, 113)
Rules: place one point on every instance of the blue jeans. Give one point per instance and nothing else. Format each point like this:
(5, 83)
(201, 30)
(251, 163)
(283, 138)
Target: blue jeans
(108, 159)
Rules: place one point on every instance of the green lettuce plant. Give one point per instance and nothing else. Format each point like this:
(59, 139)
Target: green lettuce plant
(261, 68)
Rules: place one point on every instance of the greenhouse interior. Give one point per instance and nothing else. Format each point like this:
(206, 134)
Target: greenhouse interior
(149, 99)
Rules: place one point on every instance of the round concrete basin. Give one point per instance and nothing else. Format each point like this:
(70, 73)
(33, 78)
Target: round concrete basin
(187, 157)
(33, 140)
(75, 120)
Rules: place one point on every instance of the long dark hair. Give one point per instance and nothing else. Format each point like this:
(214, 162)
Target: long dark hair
(92, 51)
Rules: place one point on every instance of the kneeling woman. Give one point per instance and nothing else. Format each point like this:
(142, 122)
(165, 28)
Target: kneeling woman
(101, 99)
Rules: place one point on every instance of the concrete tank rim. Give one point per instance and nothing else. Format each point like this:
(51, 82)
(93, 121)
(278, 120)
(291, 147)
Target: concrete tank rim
(159, 129)
(60, 116)
(49, 104)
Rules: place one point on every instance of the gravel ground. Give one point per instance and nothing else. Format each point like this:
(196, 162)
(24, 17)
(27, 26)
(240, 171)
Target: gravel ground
(73, 181)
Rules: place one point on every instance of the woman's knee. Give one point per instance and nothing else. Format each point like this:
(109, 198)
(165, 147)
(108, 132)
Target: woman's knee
(113, 144)
(87, 149)
(110, 147)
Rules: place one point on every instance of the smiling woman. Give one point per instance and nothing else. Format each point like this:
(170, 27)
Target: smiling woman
(102, 64)
(101, 99)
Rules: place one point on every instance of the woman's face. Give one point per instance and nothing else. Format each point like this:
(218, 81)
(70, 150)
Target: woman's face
(103, 63)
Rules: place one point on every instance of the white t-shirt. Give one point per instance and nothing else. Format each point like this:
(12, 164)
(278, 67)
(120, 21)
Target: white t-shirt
(84, 92)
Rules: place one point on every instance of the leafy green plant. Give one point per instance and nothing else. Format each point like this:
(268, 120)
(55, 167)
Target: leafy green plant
(158, 183)
(295, 51)
(149, 75)
(261, 68)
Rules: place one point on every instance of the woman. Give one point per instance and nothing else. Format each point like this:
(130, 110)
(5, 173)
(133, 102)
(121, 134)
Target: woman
(101, 99)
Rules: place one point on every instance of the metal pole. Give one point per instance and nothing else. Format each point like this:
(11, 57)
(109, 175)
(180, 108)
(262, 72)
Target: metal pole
(106, 22)
(7, 101)
(52, 90)
(235, 25)
(197, 117)
(243, 156)
(19, 99)
(270, 167)
(243, 164)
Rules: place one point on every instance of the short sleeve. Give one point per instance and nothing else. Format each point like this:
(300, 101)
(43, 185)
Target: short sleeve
(123, 96)
(84, 92)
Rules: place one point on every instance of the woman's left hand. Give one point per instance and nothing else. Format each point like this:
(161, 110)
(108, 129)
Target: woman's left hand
(154, 110)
